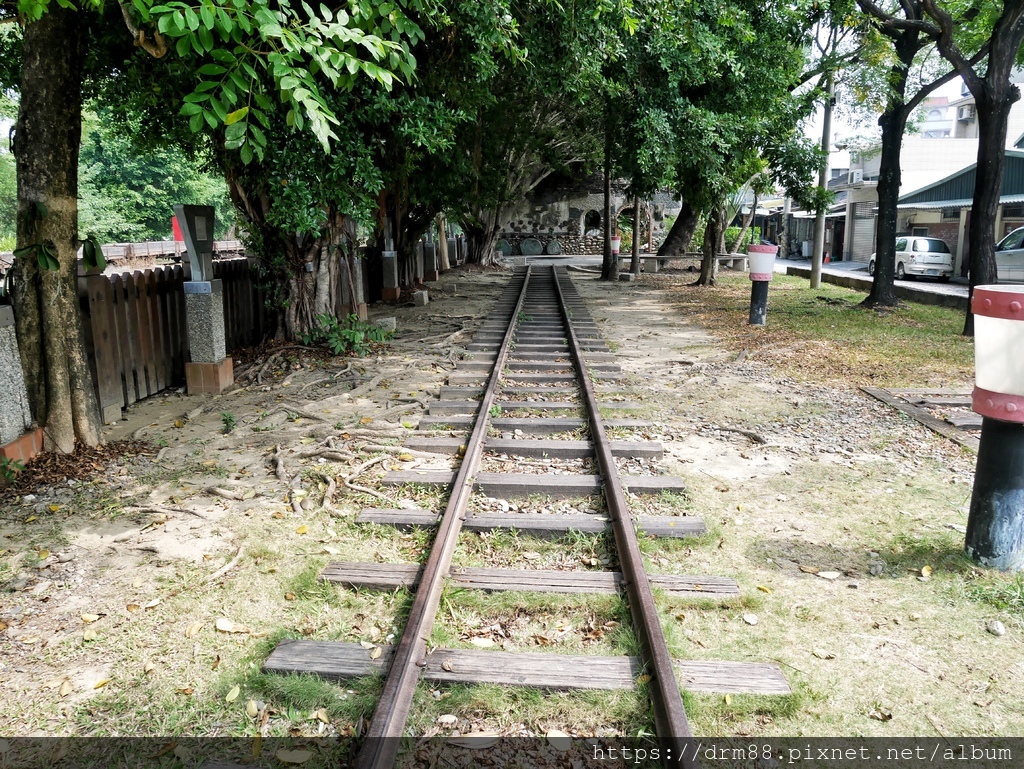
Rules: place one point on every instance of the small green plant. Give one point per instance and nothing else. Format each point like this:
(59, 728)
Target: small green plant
(343, 336)
(228, 420)
(9, 469)
(495, 411)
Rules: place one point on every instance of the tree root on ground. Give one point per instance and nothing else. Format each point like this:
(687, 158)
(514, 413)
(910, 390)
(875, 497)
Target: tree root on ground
(226, 567)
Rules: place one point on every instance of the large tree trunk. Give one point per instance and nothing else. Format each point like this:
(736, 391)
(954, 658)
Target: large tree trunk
(712, 238)
(49, 323)
(893, 122)
(678, 239)
(482, 238)
(993, 112)
(738, 243)
(609, 261)
(634, 264)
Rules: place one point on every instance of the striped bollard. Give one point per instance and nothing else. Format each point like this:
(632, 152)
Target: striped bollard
(762, 264)
(995, 525)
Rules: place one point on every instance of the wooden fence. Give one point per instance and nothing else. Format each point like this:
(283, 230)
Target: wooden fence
(135, 327)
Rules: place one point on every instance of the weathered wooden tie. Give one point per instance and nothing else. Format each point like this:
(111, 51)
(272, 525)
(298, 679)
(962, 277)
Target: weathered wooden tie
(559, 672)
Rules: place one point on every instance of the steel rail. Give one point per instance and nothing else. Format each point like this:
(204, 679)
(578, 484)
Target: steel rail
(381, 743)
(673, 728)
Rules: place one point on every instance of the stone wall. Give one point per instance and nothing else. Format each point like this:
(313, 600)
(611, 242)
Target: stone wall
(560, 213)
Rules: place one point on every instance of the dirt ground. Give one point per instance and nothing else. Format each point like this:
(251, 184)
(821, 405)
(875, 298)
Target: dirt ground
(143, 598)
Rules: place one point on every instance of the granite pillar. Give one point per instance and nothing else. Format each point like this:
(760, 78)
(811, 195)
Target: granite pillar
(390, 291)
(15, 414)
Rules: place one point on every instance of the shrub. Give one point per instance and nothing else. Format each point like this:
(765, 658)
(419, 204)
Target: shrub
(344, 336)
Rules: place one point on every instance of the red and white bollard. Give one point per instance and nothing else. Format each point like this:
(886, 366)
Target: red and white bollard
(761, 261)
(995, 525)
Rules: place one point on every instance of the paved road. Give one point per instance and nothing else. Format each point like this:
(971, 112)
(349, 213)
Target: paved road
(956, 286)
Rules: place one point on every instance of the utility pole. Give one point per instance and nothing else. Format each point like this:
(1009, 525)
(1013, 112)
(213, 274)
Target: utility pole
(819, 219)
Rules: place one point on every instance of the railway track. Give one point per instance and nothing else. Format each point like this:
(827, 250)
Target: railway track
(531, 376)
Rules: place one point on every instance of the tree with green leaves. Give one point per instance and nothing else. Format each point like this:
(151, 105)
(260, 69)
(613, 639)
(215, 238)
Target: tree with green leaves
(896, 74)
(247, 57)
(725, 107)
(127, 193)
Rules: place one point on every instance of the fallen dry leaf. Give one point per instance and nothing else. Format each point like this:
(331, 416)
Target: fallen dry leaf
(881, 714)
(321, 716)
(482, 643)
(448, 719)
(559, 740)
(376, 652)
(821, 654)
(151, 604)
(43, 554)
(186, 690)
(101, 683)
(90, 617)
(225, 625)
(66, 688)
(233, 694)
(149, 667)
(447, 665)
(251, 709)
(193, 630)
(475, 740)
(289, 596)
(89, 634)
(302, 529)
(293, 756)
(132, 607)
(764, 589)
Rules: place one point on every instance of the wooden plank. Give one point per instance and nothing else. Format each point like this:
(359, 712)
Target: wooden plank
(925, 418)
(388, 576)
(134, 359)
(126, 341)
(176, 322)
(967, 421)
(106, 354)
(553, 449)
(942, 402)
(163, 289)
(342, 661)
(539, 524)
(512, 485)
(159, 361)
(528, 426)
(140, 339)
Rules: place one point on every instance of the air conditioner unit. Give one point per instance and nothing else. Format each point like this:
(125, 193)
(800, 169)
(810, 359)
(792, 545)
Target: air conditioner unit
(856, 176)
(965, 113)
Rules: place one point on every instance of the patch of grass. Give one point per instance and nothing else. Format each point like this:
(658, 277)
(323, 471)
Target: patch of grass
(999, 590)
(825, 335)
(623, 713)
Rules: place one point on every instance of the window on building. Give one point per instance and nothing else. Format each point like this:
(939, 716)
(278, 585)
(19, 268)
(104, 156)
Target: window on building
(918, 231)
(592, 223)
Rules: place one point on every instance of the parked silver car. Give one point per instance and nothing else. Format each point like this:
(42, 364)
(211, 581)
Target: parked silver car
(1010, 257)
(920, 257)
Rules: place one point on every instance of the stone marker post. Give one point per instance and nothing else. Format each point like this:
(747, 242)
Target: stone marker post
(210, 370)
(430, 270)
(389, 260)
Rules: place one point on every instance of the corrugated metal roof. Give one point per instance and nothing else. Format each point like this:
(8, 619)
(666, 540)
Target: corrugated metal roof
(958, 203)
(959, 186)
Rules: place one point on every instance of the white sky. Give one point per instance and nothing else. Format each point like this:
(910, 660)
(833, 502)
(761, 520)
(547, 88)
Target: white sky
(843, 130)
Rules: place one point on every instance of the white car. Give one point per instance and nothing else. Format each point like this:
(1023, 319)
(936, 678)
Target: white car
(922, 257)
(1010, 257)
